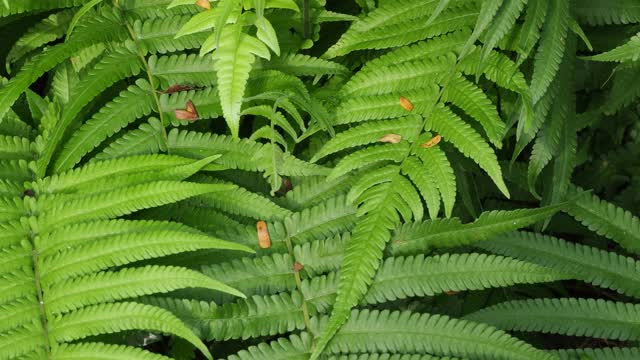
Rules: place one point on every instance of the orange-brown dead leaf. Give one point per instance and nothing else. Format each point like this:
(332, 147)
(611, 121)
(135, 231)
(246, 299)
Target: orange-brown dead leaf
(297, 266)
(391, 138)
(451, 293)
(204, 4)
(190, 113)
(405, 103)
(263, 235)
(433, 142)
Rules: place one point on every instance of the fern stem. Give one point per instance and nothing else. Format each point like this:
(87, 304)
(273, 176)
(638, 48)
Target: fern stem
(35, 255)
(40, 295)
(306, 19)
(296, 276)
(152, 82)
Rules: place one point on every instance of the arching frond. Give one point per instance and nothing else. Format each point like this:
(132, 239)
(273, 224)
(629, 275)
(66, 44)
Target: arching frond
(567, 316)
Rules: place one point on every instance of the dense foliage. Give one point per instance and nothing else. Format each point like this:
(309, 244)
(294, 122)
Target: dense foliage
(302, 179)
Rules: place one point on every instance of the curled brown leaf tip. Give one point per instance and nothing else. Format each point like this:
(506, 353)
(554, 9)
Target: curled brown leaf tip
(433, 142)
(204, 4)
(391, 138)
(297, 266)
(263, 235)
(405, 103)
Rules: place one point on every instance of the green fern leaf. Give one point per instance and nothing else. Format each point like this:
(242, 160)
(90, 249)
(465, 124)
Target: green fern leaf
(109, 286)
(598, 267)
(370, 156)
(370, 132)
(551, 49)
(106, 351)
(608, 353)
(425, 183)
(147, 139)
(406, 332)
(567, 316)
(380, 28)
(475, 103)
(421, 237)
(233, 60)
(608, 220)
(469, 142)
(605, 12)
(99, 319)
(47, 30)
(530, 31)
(131, 104)
(297, 345)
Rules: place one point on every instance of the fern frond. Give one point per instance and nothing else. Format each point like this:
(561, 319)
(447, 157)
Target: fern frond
(47, 30)
(606, 12)
(370, 156)
(314, 190)
(401, 78)
(36, 6)
(608, 220)
(239, 201)
(598, 267)
(110, 286)
(158, 35)
(424, 182)
(124, 249)
(442, 174)
(607, 353)
(414, 238)
(260, 276)
(551, 49)
(504, 20)
(399, 278)
(407, 332)
(469, 142)
(304, 65)
(233, 61)
(297, 345)
(407, 127)
(376, 107)
(83, 233)
(12, 125)
(183, 69)
(132, 103)
(465, 95)
(268, 315)
(567, 316)
(120, 202)
(148, 138)
(324, 220)
(106, 351)
(625, 89)
(98, 29)
(109, 318)
(113, 67)
(530, 31)
(629, 51)
(15, 148)
(381, 28)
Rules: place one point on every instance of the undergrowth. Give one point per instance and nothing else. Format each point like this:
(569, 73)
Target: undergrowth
(301, 179)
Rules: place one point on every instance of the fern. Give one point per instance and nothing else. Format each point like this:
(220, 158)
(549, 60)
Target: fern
(608, 220)
(283, 179)
(70, 288)
(569, 316)
(598, 267)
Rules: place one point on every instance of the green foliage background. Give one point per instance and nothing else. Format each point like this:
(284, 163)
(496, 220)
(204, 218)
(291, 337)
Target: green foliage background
(439, 179)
